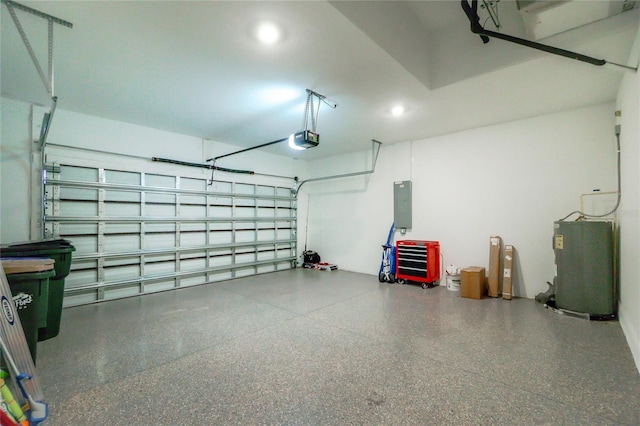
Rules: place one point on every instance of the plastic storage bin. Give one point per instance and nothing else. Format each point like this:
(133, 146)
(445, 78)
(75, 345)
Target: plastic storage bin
(61, 252)
(29, 283)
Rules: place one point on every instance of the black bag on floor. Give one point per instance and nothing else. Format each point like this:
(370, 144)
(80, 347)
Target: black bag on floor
(311, 256)
(547, 296)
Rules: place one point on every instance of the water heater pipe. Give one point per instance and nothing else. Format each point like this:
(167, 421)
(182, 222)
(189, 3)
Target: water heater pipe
(619, 190)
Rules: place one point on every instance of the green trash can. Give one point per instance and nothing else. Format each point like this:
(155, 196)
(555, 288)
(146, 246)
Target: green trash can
(61, 251)
(29, 290)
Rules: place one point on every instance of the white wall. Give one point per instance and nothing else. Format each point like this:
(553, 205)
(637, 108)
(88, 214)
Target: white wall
(629, 213)
(93, 133)
(513, 180)
(15, 159)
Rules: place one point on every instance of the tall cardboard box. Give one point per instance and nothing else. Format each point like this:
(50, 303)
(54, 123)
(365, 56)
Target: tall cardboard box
(508, 272)
(494, 266)
(472, 283)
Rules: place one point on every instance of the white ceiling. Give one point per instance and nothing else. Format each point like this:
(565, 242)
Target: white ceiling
(195, 68)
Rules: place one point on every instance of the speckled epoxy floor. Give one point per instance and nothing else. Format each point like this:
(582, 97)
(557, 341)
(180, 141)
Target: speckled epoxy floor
(317, 347)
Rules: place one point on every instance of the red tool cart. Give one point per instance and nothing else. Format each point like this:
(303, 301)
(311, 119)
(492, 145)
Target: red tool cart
(418, 261)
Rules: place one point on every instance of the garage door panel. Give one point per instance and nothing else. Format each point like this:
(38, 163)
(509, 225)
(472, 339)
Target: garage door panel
(160, 181)
(78, 194)
(160, 210)
(284, 213)
(245, 202)
(221, 237)
(80, 297)
(193, 227)
(266, 202)
(263, 269)
(160, 227)
(266, 212)
(121, 209)
(245, 236)
(77, 173)
(120, 291)
(196, 264)
(160, 268)
(121, 261)
(221, 211)
(193, 184)
(84, 244)
(193, 239)
(168, 256)
(123, 196)
(245, 225)
(242, 188)
(122, 228)
(121, 243)
(266, 255)
(156, 286)
(160, 240)
(160, 197)
(80, 278)
(221, 261)
(138, 232)
(122, 273)
(78, 229)
(265, 190)
(283, 234)
(81, 263)
(78, 208)
(122, 177)
(193, 211)
(194, 280)
(245, 272)
(197, 200)
(285, 253)
(266, 235)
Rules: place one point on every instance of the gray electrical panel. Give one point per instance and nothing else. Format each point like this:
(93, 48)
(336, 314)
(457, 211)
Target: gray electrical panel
(402, 204)
(584, 262)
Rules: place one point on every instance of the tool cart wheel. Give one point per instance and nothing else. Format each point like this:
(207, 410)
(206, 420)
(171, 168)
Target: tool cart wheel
(425, 285)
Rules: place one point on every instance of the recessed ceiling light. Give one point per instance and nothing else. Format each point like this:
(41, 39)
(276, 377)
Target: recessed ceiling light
(397, 110)
(268, 33)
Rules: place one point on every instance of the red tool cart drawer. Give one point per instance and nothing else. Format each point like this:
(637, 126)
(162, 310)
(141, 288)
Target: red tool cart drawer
(418, 261)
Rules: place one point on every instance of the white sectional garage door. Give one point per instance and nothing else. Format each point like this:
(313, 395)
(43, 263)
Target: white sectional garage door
(138, 232)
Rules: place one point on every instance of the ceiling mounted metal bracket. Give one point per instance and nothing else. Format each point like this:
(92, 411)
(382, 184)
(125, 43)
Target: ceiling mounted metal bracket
(48, 81)
(309, 116)
(472, 13)
(310, 120)
(491, 6)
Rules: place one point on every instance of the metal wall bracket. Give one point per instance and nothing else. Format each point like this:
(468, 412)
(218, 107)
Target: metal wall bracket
(48, 81)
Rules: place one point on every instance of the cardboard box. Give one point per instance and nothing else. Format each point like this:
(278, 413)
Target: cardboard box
(508, 272)
(494, 266)
(472, 283)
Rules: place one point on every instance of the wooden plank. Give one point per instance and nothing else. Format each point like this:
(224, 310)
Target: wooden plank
(19, 266)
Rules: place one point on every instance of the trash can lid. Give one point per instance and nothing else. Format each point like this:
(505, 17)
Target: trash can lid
(39, 244)
(42, 246)
(26, 264)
